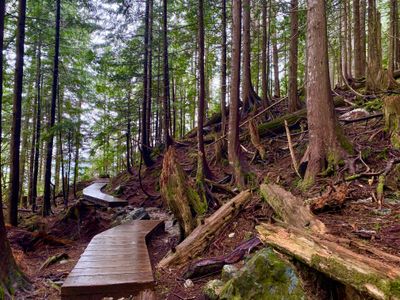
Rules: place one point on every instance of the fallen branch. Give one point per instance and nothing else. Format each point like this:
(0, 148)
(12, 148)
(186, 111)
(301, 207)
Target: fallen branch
(200, 237)
(290, 145)
(362, 119)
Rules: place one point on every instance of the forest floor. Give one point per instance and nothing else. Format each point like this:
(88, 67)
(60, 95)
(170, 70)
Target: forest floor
(359, 218)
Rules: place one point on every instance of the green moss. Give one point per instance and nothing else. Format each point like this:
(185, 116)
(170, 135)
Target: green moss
(380, 186)
(265, 276)
(383, 154)
(366, 153)
(251, 180)
(343, 141)
(357, 279)
(305, 184)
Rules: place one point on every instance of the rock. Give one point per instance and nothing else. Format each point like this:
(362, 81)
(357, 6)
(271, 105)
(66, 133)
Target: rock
(118, 191)
(355, 114)
(264, 276)
(382, 212)
(137, 214)
(228, 272)
(188, 284)
(213, 288)
(231, 235)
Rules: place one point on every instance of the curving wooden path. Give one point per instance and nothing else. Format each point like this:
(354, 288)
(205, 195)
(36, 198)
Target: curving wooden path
(94, 194)
(116, 263)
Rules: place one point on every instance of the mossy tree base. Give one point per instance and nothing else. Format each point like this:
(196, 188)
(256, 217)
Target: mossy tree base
(176, 191)
(391, 110)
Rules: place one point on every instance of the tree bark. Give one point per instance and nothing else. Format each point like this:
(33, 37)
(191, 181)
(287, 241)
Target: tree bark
(234, 117)
(358, 67)
(275, 58)
(324, 142)
(393, 36)
(49, 151)
(16, 120)
(166, 98)
(264, 55)
(249, 96)
(223, 70)
(294, 101)
(145, 145)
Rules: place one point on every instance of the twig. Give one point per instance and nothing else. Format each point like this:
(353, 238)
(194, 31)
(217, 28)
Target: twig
(362, 119)
(290, 145)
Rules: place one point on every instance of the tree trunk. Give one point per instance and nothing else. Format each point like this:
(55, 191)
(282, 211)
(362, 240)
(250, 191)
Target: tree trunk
(49, 151)
(234, 117)
(358, 68)
(324, 142)
(145, 147)
(16, 120)
(166, 118)
(249, 96)
(10, 276)
(78, 137)
(363, 36)
(275, 58)
(223, 70)
(393, 36)
(264, 55)
(37, 128)
(294, 101)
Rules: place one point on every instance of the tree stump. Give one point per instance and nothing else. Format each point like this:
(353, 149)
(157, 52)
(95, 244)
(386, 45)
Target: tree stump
(176, 191)
(391, 110)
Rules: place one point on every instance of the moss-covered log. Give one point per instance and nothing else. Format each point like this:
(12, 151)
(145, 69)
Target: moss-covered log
(177, 192)
(368, 276)
(213, 120)
(277, 126)
(199, 239)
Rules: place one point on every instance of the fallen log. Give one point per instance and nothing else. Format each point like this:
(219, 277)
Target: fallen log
(367, 275)
(209, 266)
(290, 209)
(277, 125)
(200, 237)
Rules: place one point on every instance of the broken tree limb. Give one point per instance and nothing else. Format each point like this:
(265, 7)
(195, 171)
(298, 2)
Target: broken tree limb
(255, 139)
(290, 209)
(200, 237)
(290, 145)
(367, 275)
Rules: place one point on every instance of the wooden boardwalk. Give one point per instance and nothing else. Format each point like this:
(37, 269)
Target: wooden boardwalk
(94, 194)
(116, 263)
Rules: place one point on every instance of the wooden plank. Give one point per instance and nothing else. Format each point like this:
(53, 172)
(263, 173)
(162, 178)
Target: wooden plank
(94, 194)
(121, 269)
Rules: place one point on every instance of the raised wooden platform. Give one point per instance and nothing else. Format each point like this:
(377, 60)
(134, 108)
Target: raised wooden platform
(94, 194)
(116, 263)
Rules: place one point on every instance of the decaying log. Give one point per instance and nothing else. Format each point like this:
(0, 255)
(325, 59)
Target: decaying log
(198, 240)
(213, 120)
(367, 275)
(277, 125)
(291, 209)
(214, 265)
(176, 191)
(332, 199)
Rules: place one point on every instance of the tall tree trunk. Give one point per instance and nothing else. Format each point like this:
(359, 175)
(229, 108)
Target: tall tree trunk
(375, 81)
(358, 73)
(203, 170)
(49, 151)
(343, 40)
(275, 58)
(264, 55)
(167, 138)
(234, 117)
(145, 147)
(16, 120)
(294, 102)
(37, 128)
(323, 130)
(128, 134)
(78, 138)
(249, 96)
(349, 46)
(223, 69)
(363, 36)
(393, 36)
